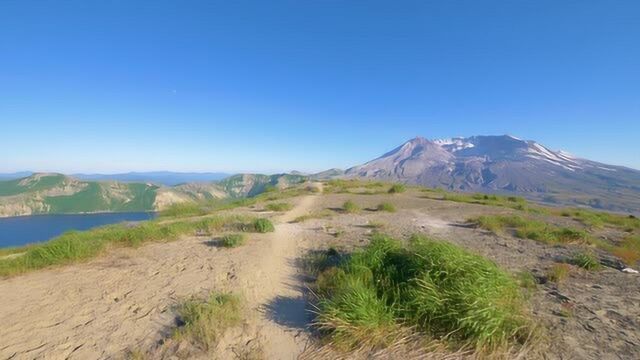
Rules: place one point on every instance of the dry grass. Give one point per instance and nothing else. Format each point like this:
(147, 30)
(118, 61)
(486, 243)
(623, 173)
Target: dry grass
(206, 320)
(558, 272)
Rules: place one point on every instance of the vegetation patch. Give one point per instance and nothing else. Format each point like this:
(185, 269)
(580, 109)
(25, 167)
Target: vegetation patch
(279, 206)
(526, 228)
(232, 240)
(355, 186)
(205, 321)
(526, 280)
(434, 287)
(314, 215)
(350, 207)
(558, 272)
(183, 210)
(586, 261)
(263, 225)
(512, 202)
(597, 219)
(75, 246)
(386, 206)
(628, 250)
(397, 188)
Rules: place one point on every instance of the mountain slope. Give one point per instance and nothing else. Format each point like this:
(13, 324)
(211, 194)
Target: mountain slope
(56, 193)
(506, 164)
(44, 193)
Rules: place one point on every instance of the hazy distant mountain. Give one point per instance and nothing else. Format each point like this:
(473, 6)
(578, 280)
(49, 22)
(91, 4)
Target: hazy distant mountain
(506, 164)
(168, 178)
(15, 175)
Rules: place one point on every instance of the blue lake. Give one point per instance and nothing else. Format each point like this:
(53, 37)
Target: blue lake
(22, 230)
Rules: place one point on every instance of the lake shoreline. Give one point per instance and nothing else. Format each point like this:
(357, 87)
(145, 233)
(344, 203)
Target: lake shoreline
(18, 231)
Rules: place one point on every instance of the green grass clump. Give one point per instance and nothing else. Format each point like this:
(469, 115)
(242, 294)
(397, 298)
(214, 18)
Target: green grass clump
(263, 225)
(436, 287)
(397, 188)
(279, 207)
(183, 210)
(385, 206)
(350, 207)
(205, 321)
(232, 240)
(586, 261)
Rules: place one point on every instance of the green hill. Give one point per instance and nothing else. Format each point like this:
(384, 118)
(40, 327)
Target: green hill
(44, 193)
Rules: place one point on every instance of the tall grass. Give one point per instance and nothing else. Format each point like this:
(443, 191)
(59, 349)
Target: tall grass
(205, 321)
(75, 246)
(435, 287)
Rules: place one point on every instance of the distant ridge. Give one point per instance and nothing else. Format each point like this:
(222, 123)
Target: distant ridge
(52, 193)
(168, 178)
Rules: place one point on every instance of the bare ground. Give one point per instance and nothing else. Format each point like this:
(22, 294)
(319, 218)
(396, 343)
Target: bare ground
(126, 300)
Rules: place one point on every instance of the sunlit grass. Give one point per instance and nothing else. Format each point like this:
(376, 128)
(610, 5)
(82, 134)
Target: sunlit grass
(435, 287)
(76, 246)
(206, 320)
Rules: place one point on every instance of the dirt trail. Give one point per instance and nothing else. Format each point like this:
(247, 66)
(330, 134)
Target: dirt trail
(125, 300)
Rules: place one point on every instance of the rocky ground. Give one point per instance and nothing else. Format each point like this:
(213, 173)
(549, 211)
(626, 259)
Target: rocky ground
(125, 301)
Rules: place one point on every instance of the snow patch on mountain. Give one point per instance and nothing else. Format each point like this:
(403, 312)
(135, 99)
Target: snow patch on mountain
(453, 144)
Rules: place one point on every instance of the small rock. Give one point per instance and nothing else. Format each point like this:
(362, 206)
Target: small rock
(629, 271)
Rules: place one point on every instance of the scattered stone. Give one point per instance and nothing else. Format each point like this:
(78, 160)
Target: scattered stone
(612, 262)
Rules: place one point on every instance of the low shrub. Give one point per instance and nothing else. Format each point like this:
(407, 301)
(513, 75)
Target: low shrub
(232, 240)
(263, 225)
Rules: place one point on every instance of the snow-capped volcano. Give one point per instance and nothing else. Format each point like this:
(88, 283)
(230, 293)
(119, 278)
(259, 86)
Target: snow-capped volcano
(506, 164)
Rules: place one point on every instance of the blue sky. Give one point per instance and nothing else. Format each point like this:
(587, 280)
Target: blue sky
(88, 86)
